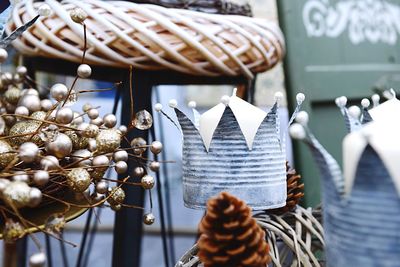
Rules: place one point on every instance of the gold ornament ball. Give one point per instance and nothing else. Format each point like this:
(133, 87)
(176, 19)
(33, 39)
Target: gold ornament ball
(147, 182)
(23, 132)
(6, 154)
(149, 219)
(108, 140)
(91, 131)
(12, 95)
(17, 194)
(117, 196)
(78, 179)
(78, 15)
(77, 141)
(116, 207)
(97, 174)
(39, 115)
(13, 231)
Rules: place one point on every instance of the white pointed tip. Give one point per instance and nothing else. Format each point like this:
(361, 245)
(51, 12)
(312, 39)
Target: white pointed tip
(354, 112)
(375, 98)
(393, 92)
(302, 118)
(297, 131)
(192, 104)
(278, 96)
(234, 91)
(173, 103)
(300, 98)
(225, 100)
(365, 103)
(341, 102)
(158, 107)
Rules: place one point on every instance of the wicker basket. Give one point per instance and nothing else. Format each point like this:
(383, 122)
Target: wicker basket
(295, 239)
(206, 6)
(123, 34)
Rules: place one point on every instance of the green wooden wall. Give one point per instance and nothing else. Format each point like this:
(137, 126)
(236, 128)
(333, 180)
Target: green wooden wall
(334, 48)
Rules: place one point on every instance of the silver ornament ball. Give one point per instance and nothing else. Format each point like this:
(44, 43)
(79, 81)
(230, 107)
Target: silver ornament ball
(64, 115)
(123, 129)
(21, 70)
(110, 120)
(59, 91)
(37, 260)
(156, 147)
(28, 152)
(155, 166)
(138, 172)
(3, 55)
(101, 160)
(84, 71)
(149, 218)
(20, 176)
(121, 167)
(102, 187)
(22, 111)
(30, 101)
(35, 196)
(41, 177)
(120, 155)
(60, 147)
(49, 163)
(82, 157)
(93, 113)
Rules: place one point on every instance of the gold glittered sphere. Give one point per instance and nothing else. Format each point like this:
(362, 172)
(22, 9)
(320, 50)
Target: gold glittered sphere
(149, 218)
(13, 231)
(6, 154)
(23, 131)
(12, 95)
(78, 142)
(17, 194)
(117, 196)
(147, 182)
(108, 140)
(78, 179)
(39, 115)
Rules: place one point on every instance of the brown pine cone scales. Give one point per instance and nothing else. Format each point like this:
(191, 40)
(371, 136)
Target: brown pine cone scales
(295, 191)
(230, 237)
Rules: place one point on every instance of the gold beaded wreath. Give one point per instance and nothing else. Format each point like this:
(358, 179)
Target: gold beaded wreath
(151, 37)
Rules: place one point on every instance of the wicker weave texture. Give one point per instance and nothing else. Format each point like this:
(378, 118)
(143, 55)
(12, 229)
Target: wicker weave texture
(151, 37)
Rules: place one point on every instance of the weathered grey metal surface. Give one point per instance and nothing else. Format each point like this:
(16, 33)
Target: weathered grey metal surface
(257, 176)
(363, 228)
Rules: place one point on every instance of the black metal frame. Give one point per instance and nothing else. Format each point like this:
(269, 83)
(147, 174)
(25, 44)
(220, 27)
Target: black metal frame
(128, 222)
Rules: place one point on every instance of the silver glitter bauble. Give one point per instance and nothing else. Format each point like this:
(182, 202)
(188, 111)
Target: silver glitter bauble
(120, 155)
(84, 71)
(78, 179)
(149, 219)
(156, 147)
(20, 176)
(147, 182)
(64, 115)
(6, 154)
(117, 196)
(101, 160)
(139, 145)
(121, 167)
(78, 15)
(110, 120)
(12, 95)
(138, 172)
(82, 157)
(102, 187)
(60, 147)
(28, 152)
(3, 55)
(21, 110)
(30, 101)
(41, 177)
(59, 91)
(90, 131)
(108, 140)
(16, 194)
(35, 196)
(154, 166)
(93, 113)
(46, 104)
(49, 163)
(143, 120)
(37, 259)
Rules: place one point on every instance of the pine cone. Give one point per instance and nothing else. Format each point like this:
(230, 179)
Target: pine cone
(230, 237)
(295, 191)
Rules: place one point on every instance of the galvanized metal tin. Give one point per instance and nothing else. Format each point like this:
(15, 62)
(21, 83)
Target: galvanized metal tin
(257, 176)
(362, 228)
